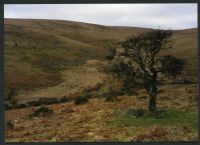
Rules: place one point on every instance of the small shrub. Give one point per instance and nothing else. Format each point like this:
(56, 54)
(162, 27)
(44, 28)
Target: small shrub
(42, 111)
(80, 100)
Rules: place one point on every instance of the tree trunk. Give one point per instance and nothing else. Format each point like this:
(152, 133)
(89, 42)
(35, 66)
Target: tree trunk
(152, 98)
(150, 85)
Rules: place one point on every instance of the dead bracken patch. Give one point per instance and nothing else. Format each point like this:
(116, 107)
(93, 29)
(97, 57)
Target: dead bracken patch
(157, 134)
(69, 122)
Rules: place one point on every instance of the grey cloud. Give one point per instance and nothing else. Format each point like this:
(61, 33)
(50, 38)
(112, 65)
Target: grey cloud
(174, 16)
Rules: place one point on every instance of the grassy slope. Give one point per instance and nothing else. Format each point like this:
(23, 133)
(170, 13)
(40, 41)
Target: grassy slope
(41, 42)
(185, 47)
(46, 47)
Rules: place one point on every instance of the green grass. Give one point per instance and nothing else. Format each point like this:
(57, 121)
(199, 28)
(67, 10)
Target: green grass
(168, 117)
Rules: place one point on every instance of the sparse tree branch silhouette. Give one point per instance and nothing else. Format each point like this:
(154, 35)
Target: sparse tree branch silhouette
(143, 50)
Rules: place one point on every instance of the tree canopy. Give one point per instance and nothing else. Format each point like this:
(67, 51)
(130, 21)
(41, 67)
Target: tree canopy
(143, 51)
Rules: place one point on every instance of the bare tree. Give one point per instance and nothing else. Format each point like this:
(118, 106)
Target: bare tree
(143, 50)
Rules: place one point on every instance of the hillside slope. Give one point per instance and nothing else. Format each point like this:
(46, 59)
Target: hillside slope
(42, 53)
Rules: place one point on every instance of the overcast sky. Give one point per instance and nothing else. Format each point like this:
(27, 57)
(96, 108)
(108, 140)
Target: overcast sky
(167, 16)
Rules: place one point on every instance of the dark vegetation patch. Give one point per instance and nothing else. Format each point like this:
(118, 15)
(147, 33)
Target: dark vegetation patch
(81, 100)
(35, 103)
(42, 112)
(9, 125)
(30, 80)
(43, 101)
(53, 63)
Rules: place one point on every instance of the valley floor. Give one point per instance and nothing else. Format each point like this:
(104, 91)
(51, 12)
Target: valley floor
(99, 120)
